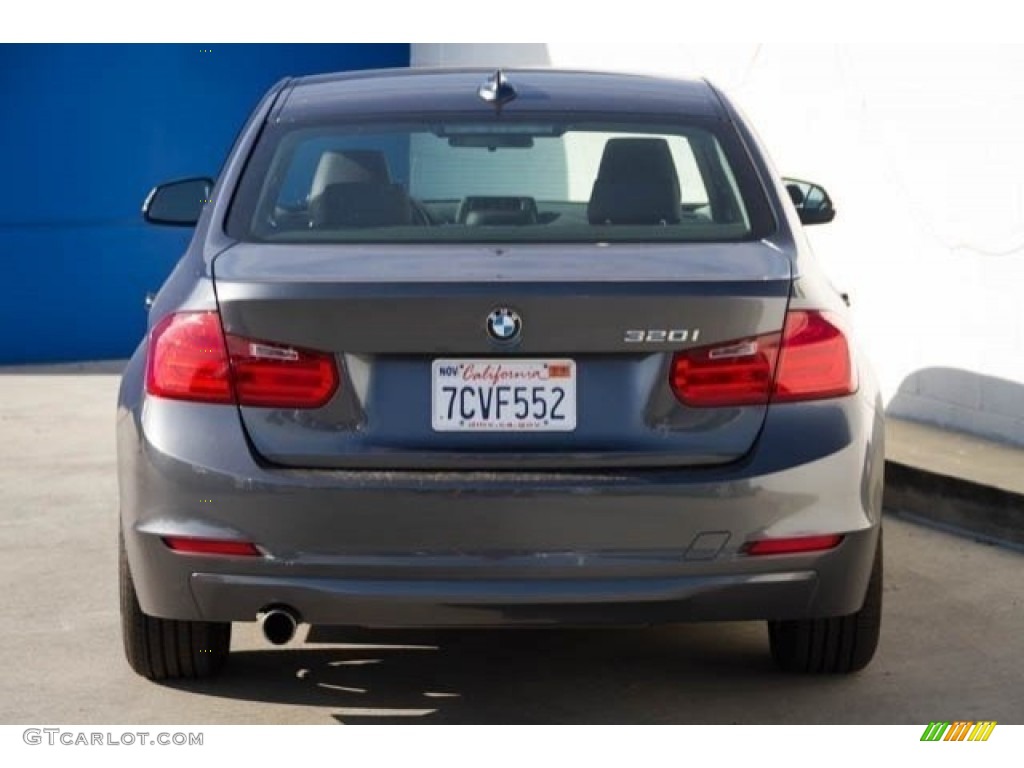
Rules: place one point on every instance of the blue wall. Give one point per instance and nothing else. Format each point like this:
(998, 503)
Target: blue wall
(85, 132)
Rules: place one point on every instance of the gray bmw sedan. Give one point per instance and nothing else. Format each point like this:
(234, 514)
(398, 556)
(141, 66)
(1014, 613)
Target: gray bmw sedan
(467, 348)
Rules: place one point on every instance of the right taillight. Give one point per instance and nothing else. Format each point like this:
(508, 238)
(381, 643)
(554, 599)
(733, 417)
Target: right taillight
(191, 358)
(810, 361)
(734, 373)
(815, 361)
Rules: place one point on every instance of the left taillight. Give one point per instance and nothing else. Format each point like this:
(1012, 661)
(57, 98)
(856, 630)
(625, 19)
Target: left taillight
(276, 376)
(187, 359)
(191, 358)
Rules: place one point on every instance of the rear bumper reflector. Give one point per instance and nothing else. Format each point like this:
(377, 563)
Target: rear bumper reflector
(793, 545)
(192, 546)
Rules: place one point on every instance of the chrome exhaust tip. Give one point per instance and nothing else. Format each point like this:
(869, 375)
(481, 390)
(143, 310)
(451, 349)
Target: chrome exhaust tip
(279, 624)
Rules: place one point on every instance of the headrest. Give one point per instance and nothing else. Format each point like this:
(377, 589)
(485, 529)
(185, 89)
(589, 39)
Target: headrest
(349, 166)
(636, 184)
(633, 159)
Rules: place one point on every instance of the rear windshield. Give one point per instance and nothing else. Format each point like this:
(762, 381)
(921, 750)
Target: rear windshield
(498, 181)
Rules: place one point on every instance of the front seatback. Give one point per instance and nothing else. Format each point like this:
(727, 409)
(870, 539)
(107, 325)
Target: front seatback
(636, 183)
(361, 204)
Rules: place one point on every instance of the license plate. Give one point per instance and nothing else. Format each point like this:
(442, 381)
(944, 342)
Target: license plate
(503, 395)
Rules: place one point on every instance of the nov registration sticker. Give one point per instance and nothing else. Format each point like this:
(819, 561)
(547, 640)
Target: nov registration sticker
(503, 395)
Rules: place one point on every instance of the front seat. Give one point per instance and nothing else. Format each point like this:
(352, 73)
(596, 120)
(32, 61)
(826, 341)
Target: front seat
(352, 188)
(362, 204)
(636, 184)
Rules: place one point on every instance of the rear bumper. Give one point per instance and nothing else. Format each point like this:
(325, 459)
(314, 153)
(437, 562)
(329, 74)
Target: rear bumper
(463, 603)
(482, 549)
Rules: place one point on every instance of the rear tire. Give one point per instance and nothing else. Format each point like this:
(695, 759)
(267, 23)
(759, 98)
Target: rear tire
(835, 645)
(167, 649)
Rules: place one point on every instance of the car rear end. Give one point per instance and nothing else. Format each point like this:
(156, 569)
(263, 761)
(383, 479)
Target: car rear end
(478, 365)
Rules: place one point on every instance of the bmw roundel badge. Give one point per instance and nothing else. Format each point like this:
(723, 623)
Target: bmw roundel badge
(504, 325)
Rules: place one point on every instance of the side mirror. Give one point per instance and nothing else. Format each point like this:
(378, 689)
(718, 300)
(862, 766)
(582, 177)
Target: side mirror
(812, 202)
(177, 203)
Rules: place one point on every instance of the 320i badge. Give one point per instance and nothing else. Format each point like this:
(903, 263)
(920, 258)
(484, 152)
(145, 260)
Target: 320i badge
(465, 348)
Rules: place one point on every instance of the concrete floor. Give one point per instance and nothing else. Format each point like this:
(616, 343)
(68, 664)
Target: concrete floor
(952, 646)
(954, 454)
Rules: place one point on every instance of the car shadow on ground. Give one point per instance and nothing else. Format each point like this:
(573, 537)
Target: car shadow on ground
(678, 674)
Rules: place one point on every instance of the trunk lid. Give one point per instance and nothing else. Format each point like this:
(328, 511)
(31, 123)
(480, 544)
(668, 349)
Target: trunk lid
(395, 314)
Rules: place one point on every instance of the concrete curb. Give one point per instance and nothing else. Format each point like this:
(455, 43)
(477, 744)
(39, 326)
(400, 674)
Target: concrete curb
(985, 511)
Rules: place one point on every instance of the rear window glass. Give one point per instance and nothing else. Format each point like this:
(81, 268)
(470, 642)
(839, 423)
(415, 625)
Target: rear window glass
(496, 181)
